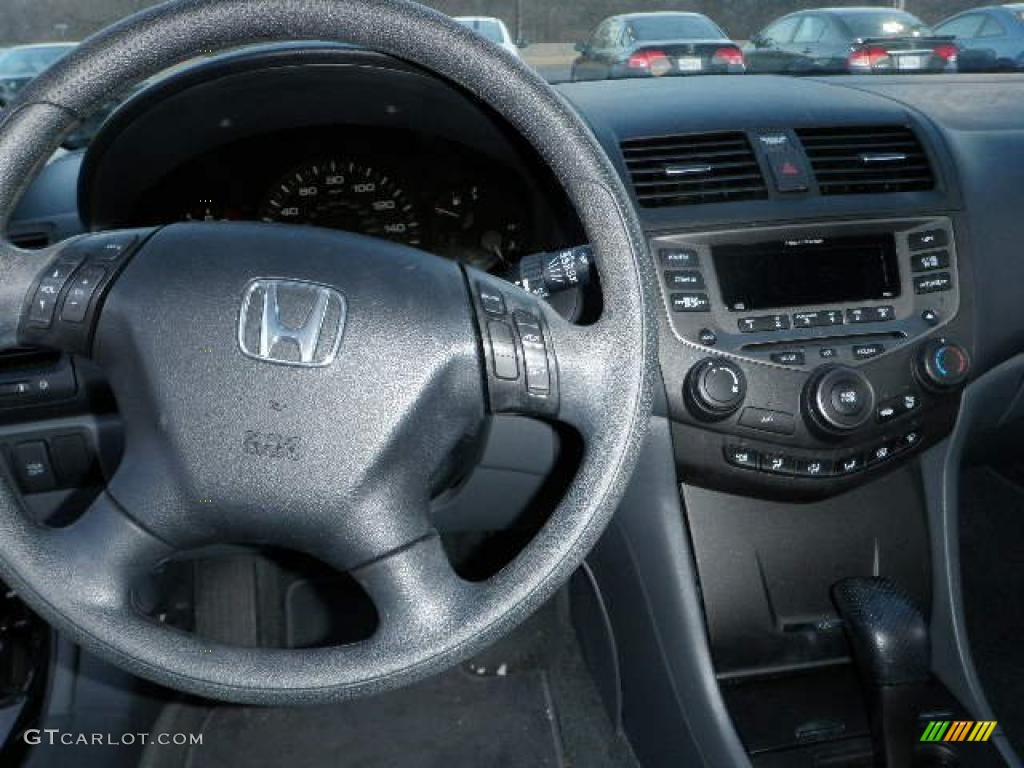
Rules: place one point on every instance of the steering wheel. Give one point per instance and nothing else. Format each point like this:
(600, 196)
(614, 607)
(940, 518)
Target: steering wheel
(302, 388)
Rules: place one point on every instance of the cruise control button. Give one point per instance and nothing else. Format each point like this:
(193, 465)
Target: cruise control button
(535, 356)
(503, 350)
(111, 247)
(678, 257)
(778, 422)
(788, 358)
(933, 238)
(742, 457)
(493, 302)
(941, 281)
(866, 351)
(763, 323)
(686, 279)
(690, 302)
(925, 262)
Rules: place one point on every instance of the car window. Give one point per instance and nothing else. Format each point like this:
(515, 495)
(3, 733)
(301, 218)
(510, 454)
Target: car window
(601, 38)
(884, 24)
(782, 32)
(991, 28)
(29, 61)
(674, 27)
(810, 30)
(964, 27)
(487, 28)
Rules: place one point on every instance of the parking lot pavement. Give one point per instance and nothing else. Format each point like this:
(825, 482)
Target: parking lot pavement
(552, 60)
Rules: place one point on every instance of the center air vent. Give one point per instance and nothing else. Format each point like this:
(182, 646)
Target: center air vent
(867, 159)
(691, 169)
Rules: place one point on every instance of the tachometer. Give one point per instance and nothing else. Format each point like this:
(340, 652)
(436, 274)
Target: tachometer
(343, 194)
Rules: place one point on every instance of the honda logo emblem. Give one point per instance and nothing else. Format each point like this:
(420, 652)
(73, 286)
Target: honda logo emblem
(291, 322)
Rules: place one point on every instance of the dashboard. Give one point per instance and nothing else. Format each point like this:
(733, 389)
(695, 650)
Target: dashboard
(818, 319)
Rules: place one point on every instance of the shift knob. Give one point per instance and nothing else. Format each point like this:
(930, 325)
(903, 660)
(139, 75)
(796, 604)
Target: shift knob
(886, 629)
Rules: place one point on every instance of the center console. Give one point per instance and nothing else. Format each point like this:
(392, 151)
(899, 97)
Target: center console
(804, 358)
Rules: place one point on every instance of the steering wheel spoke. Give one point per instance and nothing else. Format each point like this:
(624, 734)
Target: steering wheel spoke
(538, 363)
(101, 555)
(62, 292)
(416, 591)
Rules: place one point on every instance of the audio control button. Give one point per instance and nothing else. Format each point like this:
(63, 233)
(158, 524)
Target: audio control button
(690, 302)
(933, 238)
(866, 351)
(940, 281)
(763, 323)
(788, 358)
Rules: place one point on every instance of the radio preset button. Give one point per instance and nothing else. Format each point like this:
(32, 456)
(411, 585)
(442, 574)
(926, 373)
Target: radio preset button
(690, 302)
(941, 281)
(678, 258)
(685, 279)
(817, 319)
(933, 238)
(870, 314)
(763, 323)
(777, 422)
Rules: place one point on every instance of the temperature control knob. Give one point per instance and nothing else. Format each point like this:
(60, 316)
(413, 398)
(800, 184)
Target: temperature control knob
(715, 388)
(839, 400)
(942, 364)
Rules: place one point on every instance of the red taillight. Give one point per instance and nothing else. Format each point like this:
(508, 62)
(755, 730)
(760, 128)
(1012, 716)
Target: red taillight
(946, 52)
(869, 58)
(653, 61)
(729, 56)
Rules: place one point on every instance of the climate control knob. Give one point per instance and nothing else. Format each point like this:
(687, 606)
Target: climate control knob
(942, 365)
(715, 388)
(839, 400)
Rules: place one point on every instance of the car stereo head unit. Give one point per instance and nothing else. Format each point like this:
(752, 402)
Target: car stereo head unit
(806, 294)
(807, 270)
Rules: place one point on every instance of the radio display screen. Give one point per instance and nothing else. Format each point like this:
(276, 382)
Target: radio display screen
(809, 271)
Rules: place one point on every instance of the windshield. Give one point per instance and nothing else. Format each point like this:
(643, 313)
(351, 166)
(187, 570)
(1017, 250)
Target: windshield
(488, 28)
(625, 39)
(883, 24)
(29, 61)
(672, 26)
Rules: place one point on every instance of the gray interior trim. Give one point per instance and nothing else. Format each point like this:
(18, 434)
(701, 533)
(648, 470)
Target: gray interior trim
(987, 402)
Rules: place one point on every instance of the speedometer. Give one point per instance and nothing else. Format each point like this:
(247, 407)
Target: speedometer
(343, 194)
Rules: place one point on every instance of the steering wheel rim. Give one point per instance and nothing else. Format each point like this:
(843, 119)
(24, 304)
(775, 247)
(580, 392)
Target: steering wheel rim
(605, 372)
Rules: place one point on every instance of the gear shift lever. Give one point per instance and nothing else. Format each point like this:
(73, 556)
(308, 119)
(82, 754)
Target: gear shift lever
(892, 651)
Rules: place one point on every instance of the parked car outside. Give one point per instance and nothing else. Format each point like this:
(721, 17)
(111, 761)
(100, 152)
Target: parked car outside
(492, 29)
(656, 44)
(856, 40)
(990, 38)
(18, 65)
